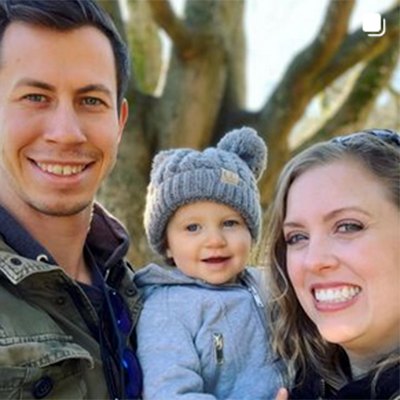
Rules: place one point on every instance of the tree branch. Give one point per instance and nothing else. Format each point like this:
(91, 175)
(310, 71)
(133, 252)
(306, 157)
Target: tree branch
(357, 47)
(113, 8)
(145, 45)
(174, 27)
(293, 92)
(290, 99)
(354, 111)
(333, 29)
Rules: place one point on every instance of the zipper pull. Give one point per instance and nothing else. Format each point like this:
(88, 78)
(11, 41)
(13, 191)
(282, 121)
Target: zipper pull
(218, 340)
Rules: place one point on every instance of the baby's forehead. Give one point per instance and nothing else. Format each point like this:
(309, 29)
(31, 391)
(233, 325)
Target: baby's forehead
(205, 208)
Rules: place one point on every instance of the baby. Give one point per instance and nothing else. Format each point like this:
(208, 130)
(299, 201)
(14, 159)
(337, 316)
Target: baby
(203, 333)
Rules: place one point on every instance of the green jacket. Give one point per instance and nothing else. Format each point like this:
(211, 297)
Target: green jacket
(46, 349)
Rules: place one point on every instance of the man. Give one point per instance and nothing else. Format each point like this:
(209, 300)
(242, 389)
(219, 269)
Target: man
(68, 304)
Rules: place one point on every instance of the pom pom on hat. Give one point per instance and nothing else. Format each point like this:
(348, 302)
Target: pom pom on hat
(224, 174)
(248, 146)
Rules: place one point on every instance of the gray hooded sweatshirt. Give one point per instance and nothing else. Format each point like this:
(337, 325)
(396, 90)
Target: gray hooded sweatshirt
(203, 341)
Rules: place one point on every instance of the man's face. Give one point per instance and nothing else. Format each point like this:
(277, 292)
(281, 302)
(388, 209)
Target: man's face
(59, 123)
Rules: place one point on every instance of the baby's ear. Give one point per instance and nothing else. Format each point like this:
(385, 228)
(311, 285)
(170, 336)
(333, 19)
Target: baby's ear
(247, 145)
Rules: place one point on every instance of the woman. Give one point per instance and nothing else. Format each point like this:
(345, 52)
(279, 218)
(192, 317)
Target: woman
(334, 253)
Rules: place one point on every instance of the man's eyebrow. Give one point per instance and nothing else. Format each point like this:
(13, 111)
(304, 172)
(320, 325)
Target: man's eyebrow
(35, 83)
(95, 88)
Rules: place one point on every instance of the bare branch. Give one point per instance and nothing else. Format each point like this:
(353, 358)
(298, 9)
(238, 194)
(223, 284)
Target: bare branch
(174, 27)
(145, 45)
(355, 109)
(357, 47)
(333, 29)
(293, 92)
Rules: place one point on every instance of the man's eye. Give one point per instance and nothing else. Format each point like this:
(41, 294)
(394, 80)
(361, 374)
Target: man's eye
(35, 98)
(92, 101)
(193, 227)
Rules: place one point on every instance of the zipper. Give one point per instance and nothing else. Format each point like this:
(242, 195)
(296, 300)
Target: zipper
(256, 296)
(218, 340)
(260, 306)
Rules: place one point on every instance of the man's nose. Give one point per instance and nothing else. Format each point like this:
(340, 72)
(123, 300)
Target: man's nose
(64, 126)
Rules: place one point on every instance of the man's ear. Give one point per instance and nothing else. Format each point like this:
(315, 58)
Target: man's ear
(123, 117)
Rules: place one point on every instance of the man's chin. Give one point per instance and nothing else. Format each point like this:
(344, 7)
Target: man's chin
(61, 210)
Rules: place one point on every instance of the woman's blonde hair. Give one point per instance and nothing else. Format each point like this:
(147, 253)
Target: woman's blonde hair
(295, 337)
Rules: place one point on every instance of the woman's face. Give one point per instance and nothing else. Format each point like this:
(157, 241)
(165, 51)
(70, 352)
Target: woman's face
(343, 256)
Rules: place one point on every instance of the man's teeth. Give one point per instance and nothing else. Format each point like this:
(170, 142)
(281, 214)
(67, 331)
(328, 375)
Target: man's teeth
(58, 169)
(336, 295)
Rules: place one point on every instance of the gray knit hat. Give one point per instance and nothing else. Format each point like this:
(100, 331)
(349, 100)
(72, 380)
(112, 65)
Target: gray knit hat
(225, 174)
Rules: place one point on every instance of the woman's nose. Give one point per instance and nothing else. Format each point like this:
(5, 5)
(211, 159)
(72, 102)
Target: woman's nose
(320, 255)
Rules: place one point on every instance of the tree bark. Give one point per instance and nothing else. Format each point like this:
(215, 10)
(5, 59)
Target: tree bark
(354, 111)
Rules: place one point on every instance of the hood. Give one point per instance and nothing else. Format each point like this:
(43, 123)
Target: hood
(107, 239)
(154, 274)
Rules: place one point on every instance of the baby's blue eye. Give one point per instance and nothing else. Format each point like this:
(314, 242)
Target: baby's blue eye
(230, 222)
(193, 227)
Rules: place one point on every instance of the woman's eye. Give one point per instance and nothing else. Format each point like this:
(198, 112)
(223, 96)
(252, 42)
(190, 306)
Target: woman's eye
(294, 238)
(349, 227)
(193, 227)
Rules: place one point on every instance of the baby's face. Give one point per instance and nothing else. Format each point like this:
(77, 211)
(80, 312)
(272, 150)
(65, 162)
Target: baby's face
(208, 241)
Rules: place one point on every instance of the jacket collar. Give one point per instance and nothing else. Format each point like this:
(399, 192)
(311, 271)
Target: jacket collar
(107, 239)
(21, 255)
(17, 238)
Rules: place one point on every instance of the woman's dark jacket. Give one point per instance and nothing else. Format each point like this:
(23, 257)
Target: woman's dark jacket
(386, 387)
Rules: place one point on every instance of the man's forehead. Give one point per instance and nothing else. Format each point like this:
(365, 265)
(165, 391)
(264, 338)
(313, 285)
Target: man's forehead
(42, 50)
